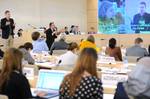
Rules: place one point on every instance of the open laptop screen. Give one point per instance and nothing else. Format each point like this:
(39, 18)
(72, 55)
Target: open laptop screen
(50, 80)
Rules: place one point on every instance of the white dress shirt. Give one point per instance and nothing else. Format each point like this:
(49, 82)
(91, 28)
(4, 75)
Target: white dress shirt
(69, 58)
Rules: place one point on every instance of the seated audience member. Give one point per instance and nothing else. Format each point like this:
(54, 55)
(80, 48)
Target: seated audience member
(137, 50)
(149, 50)
(39, 43)
(114, 51)
(81, 40)
(1, 54)
(77, 31)
(72, 30)
(66, 31)
(137, 86)
(83, 82)
(92, 31)
(89, 43)
(20, 32)
(25, 49)
(0, 32)
(12, 81)
(70, 57)
(59, 45)
(44, 28)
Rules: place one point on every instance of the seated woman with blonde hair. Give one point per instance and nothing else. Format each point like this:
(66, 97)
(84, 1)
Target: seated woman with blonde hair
(89, 43)
(83, 82)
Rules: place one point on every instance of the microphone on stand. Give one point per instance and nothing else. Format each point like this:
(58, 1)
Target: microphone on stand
(32, 26)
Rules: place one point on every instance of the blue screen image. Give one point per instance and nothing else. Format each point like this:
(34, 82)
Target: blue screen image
(124, 16)
(50, 80)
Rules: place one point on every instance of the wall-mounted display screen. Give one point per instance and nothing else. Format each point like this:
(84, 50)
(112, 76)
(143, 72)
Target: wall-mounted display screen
(124, 16)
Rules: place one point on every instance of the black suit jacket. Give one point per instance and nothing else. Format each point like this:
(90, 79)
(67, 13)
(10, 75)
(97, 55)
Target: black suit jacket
(1, 53)
(49, 37)
(7, 29)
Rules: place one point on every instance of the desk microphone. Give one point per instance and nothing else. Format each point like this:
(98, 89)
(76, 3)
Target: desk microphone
(102, 39)
(59, 62)
(24, 74)
(1, 45)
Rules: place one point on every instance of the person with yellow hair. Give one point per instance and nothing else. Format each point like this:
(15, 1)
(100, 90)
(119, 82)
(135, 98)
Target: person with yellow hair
(89, 43)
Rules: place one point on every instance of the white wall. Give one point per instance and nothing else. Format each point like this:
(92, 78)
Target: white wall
(41, 12)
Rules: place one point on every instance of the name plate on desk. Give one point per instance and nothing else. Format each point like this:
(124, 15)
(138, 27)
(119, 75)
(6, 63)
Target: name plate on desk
(109, 79)
(29, 72)
(45, 64)
(39, 30)
(106, 60)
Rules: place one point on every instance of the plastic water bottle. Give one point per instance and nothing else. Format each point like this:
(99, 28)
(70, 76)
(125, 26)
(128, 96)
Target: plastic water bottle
(125, 63)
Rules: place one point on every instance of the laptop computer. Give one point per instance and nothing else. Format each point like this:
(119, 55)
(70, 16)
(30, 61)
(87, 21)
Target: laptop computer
(49, 82)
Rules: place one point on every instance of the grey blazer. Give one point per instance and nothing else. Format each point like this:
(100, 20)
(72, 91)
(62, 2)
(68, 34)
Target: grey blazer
(27, 56)
(60, 45)
(137, 51)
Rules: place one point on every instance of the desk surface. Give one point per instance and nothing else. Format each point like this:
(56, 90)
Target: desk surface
(107, 90)
(105, 96)
(45, 64)
(49, 65)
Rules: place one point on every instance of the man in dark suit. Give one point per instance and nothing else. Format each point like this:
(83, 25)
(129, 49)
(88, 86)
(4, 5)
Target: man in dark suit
(51, 34)
(1, 54)
(7, 26)
(141, 20)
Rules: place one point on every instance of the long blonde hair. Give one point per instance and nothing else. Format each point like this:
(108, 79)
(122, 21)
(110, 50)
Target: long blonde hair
(86, 62)
(12, 61)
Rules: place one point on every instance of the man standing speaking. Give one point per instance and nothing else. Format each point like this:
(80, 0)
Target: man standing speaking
(7, 26)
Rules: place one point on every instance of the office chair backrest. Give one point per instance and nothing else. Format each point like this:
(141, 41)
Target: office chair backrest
(59, 52)
(132, 59)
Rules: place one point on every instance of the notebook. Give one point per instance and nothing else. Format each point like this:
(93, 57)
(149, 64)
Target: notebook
(49, 81)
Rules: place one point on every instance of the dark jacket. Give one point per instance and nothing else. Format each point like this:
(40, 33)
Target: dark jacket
(17, 87)
(121, 93)
(1, 54)
(7, 29)
(27, 56)
(50, 38)
(136, 51)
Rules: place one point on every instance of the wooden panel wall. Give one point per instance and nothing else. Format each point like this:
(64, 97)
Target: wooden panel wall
(92, 15)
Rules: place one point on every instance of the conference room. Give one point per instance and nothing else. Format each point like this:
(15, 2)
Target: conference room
(74, 49)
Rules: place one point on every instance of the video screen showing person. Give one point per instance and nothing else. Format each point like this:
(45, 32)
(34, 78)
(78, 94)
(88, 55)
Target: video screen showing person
(123, 16)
